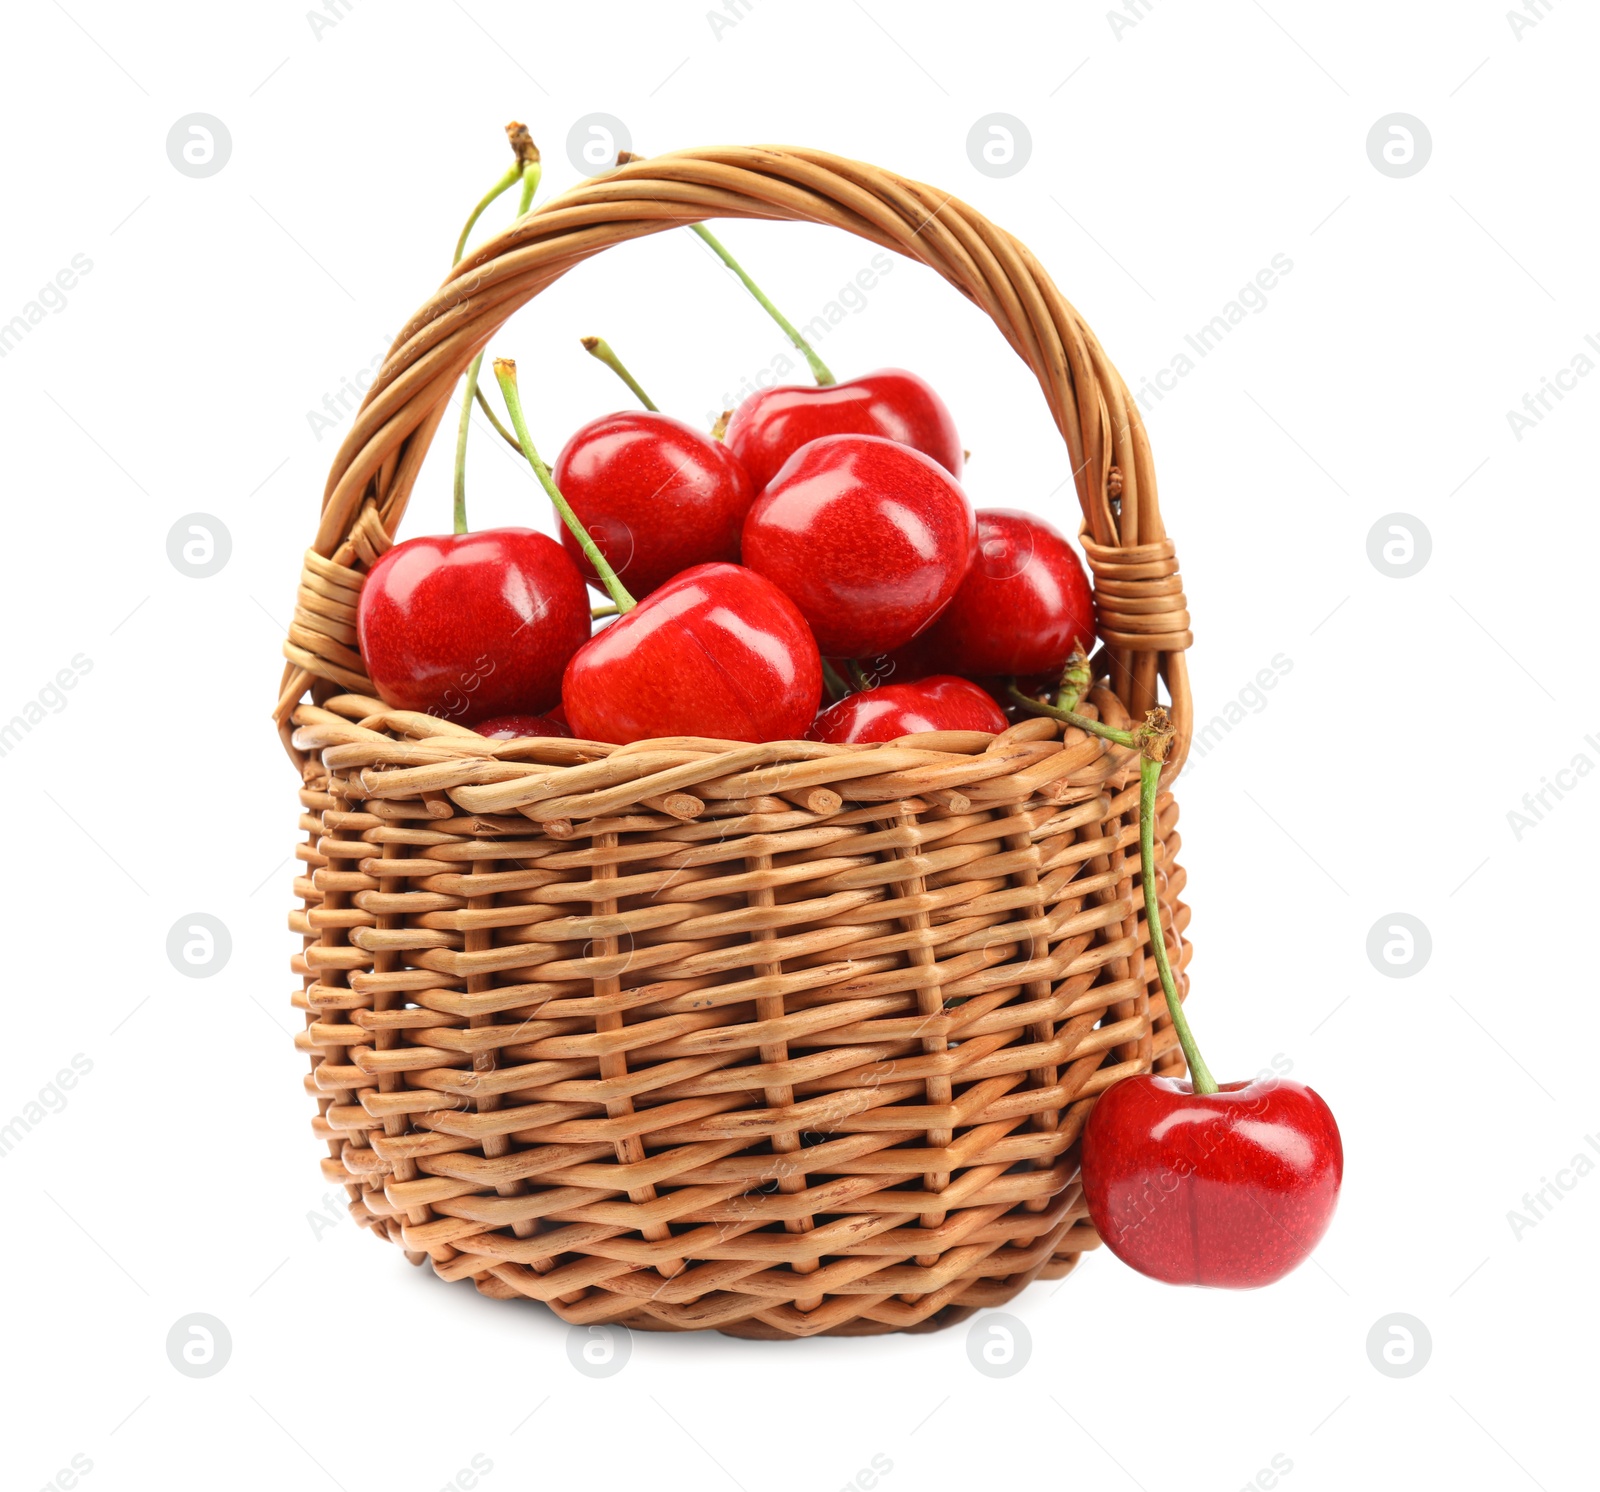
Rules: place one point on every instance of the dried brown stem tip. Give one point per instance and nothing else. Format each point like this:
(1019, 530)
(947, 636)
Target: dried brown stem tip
(1156, 735)
(526, 151)
(589, 343)
(720, 429)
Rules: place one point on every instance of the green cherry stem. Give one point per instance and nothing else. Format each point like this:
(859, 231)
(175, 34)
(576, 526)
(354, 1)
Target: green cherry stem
(596, 612)
(837, 688)
(1152, 740)
(494, 419)
(1155, 740)
(500, 188)
(1075, 680)
(526, 169)
(527, 160)
(462, 423)
(505, 372)
(819, 369)
(532, 170)
(599, 348)
(1071, 717)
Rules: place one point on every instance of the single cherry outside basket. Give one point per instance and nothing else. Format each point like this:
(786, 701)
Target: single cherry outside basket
(775, 1039)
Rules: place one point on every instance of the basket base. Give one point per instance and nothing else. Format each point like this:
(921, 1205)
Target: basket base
(864, 1326)
(994, 1293)
(759, 1331)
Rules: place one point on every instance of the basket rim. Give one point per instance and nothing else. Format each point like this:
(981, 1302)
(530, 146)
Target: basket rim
(564, 786)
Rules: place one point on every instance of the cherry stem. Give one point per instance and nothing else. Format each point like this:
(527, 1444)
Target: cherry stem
(819, 369)
(596, 612)
(494, 419)
(1155, 740)
(1071, 717)
(505, 372)
(837, 688)
(462, 425)
(526, 169)
(531, 172)
(858, 675)
(1075, 680)
(510, 179)
(600, 349)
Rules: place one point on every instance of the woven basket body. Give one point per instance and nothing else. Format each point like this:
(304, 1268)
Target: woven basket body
(773, 1039)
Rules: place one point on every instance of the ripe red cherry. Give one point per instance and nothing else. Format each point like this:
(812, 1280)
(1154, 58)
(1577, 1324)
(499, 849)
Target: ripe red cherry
(1232, 1188)
(516, 727)
(937, 703)
(1023, 608)
(772, 424)
(656, 495)
(869, 538)
(472, 624)
(717, 651)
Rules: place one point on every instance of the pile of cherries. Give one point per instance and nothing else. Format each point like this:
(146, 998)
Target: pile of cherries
(829, 523)
(821, 535)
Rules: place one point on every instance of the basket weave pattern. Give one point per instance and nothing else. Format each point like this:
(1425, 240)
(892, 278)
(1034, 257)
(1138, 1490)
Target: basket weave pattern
(775, 1039)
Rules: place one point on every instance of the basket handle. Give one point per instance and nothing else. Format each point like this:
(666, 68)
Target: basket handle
(1143, 617)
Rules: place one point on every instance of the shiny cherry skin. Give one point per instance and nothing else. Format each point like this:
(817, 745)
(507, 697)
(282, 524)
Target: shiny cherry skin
(772, 424)
(940, 702)
(472, 624)
(1023, 608)
(869, 538)
(717, 651)
(519, 727)
(656, 495)
(1232, 1188)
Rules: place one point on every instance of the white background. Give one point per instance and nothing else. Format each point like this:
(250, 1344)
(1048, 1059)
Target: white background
(1170, 162)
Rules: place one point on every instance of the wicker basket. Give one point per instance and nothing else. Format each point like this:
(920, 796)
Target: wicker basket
(773, 1039)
